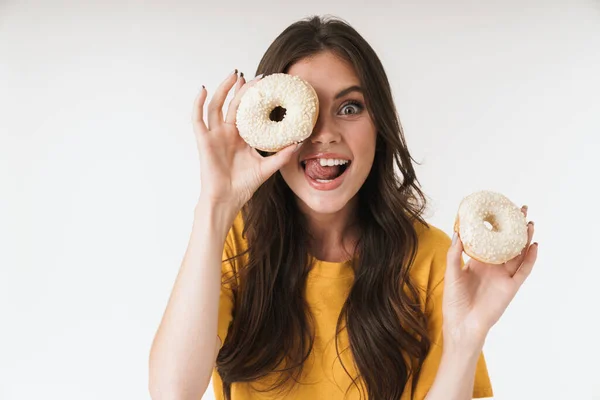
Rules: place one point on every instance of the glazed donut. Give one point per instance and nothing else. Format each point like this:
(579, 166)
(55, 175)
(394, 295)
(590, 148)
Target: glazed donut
(259, 120)
(492, 228)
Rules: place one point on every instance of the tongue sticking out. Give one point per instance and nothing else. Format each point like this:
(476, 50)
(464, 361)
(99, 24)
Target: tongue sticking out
(315, 170)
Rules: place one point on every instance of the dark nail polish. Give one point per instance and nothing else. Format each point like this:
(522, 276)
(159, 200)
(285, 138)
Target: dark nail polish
(203, 87)
(236, 71)
(241, 74)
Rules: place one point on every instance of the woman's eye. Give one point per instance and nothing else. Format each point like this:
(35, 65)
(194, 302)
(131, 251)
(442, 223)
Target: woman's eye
(351, 108)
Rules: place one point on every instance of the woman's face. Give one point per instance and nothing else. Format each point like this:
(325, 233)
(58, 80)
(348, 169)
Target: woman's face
(334, 162)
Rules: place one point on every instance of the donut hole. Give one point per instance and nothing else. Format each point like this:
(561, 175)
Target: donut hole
(490, 223)
(277, 114)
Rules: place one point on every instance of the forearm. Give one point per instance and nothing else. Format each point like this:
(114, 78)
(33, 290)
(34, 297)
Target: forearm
(185, 345)
(456, 374)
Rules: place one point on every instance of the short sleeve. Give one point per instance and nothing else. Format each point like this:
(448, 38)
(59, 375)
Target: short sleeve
(226, 299)
(433, 308)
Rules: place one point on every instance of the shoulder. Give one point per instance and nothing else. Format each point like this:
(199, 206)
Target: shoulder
(431, 238)
(429, 264)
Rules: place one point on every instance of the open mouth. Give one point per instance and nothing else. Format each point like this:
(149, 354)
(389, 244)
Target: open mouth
(324, 170)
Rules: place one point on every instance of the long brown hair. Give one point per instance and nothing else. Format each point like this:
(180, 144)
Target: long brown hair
(272, 328)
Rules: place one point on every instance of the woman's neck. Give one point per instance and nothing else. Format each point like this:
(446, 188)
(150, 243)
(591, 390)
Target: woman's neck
(333, 236)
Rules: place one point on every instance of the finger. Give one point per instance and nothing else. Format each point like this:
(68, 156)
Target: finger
(235, 102)
(271, 164)
(238, 85)
(215, 107)
(513, 265)
(454, 261)
(232, 107)
(521, 275)
(198, 111)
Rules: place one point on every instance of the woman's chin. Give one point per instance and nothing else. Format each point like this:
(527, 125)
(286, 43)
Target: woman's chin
(322, 204)
(319, 201)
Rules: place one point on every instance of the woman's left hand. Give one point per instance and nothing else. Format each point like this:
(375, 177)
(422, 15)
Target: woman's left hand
(476, 296)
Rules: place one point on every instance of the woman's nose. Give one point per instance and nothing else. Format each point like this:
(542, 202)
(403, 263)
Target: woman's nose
(324, 133)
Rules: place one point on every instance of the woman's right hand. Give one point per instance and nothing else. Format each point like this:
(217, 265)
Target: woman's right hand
(231, 170)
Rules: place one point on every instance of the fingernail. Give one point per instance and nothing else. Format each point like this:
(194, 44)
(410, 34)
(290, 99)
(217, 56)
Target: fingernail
(526, 208)
(298, 145)
(454, 238)
(203, 87)
(241, 74)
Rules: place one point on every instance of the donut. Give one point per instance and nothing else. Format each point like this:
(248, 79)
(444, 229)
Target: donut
(277, 111)
(492, 228)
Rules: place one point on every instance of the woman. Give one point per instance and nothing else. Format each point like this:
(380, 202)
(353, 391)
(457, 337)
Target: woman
(330, 287)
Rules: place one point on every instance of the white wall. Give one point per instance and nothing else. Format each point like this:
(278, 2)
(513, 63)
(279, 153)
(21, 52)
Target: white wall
(99, 170)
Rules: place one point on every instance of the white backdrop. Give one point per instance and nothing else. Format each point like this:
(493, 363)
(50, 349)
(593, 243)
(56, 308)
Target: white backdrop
(99, 171)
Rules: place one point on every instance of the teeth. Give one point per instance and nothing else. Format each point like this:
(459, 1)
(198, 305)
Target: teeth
(323, 180)
(330, 162)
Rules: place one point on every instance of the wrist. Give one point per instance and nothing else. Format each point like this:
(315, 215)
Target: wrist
(463, 341)
(218, 217)
(462, 351)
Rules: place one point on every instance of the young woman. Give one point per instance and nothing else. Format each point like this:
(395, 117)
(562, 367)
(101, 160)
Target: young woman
(299, 289)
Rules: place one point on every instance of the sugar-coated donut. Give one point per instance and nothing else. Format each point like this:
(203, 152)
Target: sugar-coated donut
(280, 93)
(502, 238)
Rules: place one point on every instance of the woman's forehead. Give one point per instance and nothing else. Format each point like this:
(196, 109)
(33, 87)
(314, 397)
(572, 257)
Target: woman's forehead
(326, 72)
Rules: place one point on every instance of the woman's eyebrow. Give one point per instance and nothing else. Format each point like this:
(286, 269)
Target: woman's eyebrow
(351, 89)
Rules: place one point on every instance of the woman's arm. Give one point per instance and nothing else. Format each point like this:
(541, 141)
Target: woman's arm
(475, 297)
(456, 374)
(184, 350)
(185, 347)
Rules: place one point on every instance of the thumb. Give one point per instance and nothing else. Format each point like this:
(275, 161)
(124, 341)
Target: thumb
(276, 161)
(454, 261)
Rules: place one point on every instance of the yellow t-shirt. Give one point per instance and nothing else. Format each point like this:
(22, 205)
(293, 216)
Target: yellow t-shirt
(327, 287)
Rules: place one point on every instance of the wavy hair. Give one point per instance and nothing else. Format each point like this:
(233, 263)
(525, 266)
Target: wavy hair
(272, 329)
